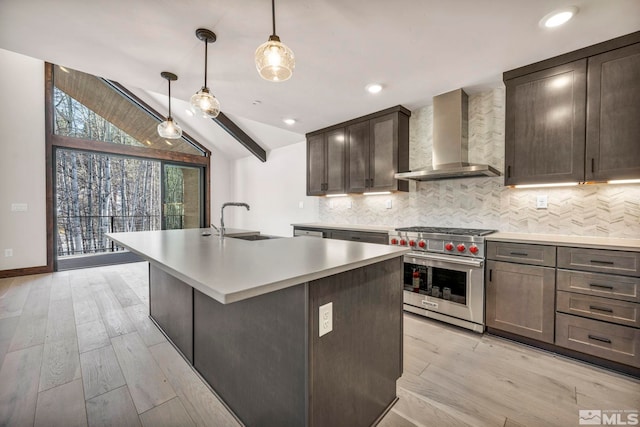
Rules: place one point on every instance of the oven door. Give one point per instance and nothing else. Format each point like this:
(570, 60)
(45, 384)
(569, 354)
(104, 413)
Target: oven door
(449, 285)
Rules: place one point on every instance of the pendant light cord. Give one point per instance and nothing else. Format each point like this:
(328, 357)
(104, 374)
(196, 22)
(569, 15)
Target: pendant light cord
(273, 15)
(169, 82)
(206, 42)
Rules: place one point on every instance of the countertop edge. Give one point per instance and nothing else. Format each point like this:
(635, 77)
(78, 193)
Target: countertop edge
(588, 242)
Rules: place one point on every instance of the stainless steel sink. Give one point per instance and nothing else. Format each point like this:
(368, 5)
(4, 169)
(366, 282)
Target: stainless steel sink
(252, 237)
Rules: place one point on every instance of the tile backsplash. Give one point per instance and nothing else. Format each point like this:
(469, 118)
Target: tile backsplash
(585, 210)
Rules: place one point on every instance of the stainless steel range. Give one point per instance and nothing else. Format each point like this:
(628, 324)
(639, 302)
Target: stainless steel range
(444, 273)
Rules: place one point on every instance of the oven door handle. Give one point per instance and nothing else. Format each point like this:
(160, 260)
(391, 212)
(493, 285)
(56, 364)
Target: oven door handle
(445, 258)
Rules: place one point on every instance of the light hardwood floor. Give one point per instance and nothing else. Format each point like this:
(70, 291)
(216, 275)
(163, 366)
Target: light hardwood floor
(77, 349)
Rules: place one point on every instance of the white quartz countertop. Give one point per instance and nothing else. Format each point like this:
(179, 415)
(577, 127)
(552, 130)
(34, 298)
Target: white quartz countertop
(230, 270)
(565, 240)
(353, 227)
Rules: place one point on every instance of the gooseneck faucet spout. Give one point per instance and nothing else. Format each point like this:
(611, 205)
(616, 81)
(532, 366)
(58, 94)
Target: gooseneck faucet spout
(224, 205)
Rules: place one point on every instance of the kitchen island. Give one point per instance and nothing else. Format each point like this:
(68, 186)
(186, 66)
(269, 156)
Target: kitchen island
(246, 315)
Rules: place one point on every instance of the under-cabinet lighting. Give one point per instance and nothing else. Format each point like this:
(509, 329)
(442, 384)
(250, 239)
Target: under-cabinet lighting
(376, 193)
(168, 142)
(557, 184)
(336, 195)
(147, 142)
(624, 181)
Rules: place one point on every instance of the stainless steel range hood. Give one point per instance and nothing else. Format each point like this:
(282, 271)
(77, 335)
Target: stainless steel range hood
(450, 142)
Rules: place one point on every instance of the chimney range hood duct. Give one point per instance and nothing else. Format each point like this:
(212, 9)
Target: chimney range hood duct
(450, 142)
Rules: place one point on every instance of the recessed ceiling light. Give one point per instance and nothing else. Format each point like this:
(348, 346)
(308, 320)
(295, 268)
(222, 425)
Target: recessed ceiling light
(188, 112)
(373, 87)
(257, 102)
(289, 121)
(63, 69)
(558, 17)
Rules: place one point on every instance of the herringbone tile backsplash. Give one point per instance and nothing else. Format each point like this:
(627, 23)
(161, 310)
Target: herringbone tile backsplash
(586, 210)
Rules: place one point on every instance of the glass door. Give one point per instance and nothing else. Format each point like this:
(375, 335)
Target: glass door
(182, 196)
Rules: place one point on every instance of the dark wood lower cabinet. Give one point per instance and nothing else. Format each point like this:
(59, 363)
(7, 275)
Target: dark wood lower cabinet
(521, 299)
(171, 307)
(264, 357)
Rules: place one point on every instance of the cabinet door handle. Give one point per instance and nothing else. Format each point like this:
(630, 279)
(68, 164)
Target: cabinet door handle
(520, 253)
(597, 261)
(355, 238)
(595, 285)
(371, 183)
(508, 171)
(490, 275)
(596, 338)
(605, 309)
(593, 164)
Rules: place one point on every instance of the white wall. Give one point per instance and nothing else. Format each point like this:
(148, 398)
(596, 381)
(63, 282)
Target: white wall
(274, 190)
(22, 161)
(221, 182)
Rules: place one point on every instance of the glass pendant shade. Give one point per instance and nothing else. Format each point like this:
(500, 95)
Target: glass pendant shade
(274, 60)
(204, 104)
(169, 129)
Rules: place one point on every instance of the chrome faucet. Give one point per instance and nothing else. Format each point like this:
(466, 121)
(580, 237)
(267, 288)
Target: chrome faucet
(224, 205)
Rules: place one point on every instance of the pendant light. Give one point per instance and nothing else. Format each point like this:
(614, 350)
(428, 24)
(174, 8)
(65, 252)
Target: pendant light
(169, 129)
(274, 60)
(203, 103)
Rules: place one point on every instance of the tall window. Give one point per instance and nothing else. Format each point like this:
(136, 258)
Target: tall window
(112, 172)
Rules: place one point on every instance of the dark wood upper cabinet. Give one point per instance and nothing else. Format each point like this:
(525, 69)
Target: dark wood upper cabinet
(326, 163)
(613, 115)
(545, 125)
(575, 117)
(373, 149)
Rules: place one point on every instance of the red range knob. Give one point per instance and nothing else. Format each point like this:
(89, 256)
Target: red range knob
(422, 243)
(394, 241)
(473, 249)
(403, 242)
(412, 242)
(449, 246)
(461, 247)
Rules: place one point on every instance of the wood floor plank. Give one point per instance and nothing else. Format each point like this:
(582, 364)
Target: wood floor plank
(60, 287)
(60, 363)
(149, 332)
(105, 298)
(92, 335)
(61, 323)
(31, 331)
(100, 371)
(15, 297)
(118, 323)
(202, 405)
(8, 327)
(113, 409)
(147, 384)
(393, 419)
(85, 310)
(50, 413)
(19, 379)
(125, 295)
(169, 414)
(37, 303)
(5, 284)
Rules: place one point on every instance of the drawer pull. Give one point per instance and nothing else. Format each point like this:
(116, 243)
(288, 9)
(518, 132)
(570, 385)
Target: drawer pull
(520, 253)
(596, 338)
(605, 309)
(597, 261)
(595, 285)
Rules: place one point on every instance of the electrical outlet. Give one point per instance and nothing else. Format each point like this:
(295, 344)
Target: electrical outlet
(301, 205)
(349, 204)
(19, 207)
(389, 204)
(8, 253)
(325, 319)
(541, 202)
(330, 204)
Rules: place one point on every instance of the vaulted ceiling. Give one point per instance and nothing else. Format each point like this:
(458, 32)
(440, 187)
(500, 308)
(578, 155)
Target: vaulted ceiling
(415, 48)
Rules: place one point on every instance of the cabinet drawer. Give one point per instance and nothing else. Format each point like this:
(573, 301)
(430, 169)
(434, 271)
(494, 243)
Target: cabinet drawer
(361, 236)
(522, 253)
(601, 339)
(600, 260)
(610, 310)
(604, 285)
(312, 233)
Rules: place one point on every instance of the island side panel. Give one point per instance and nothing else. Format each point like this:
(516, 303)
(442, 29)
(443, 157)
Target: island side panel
(354, 367)
(171, 307)
(254, 354)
